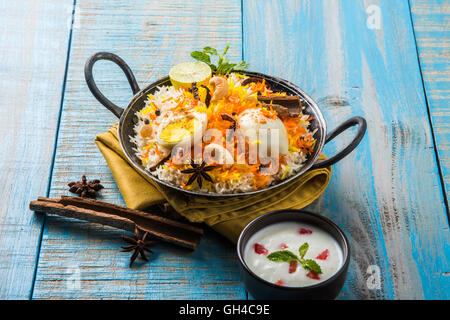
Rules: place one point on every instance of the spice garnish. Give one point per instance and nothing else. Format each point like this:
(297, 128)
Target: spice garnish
(288, 256)
(280, 110)
(208, 96)
(198, 172)
(232, 128)
(323, 255)
(259, 249)
(138, 244)
(108, 214)
(227, 117)
(280, 283)
(284, 105)
(305, 231)
(163, 160)
(194, 90)
(251, 80)
(85, 188)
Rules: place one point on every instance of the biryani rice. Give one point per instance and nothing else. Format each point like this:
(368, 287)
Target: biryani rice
(234, 179)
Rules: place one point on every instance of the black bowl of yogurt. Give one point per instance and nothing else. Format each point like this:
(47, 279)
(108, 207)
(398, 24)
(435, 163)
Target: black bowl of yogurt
(293, 254)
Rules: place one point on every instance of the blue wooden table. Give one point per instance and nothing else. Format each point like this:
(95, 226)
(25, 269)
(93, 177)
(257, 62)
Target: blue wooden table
(388, 61)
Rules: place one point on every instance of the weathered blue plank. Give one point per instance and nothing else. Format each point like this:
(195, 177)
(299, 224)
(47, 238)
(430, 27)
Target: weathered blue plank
(33, 51)
(431, 21)
(81, 260)
(387, 195)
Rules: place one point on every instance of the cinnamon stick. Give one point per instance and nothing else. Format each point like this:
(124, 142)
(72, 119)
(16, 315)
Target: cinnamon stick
(251, 80)
(281, 111)
(161, 162)
(292, 103)
(116, 216)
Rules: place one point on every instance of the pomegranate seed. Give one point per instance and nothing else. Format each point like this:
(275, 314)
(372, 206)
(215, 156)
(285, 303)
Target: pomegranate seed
(283, 246)
(305, 231)
(313, 275)
(293, 266)
(324, 255)
(259, 249)
(280, 282)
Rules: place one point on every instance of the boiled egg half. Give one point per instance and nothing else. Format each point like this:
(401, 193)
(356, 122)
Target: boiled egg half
(183, 130)
(260, 129)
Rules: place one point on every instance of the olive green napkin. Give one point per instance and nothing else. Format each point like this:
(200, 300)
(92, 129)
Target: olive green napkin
(227, 216)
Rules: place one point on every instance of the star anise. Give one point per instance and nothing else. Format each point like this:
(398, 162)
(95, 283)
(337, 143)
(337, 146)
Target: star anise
(138, 244)
(198, 172)
(85, 188)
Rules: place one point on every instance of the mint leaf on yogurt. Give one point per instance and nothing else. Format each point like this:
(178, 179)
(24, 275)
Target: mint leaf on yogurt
(288, 256)
(303, 249)
(282, 256)
(310, 264)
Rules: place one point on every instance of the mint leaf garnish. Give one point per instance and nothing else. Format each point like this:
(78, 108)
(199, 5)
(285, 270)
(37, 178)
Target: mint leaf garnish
(203, 57)
(210, 50)
(241, 66)
(223, 64)
(288, 256)
(303, 249)
(226, 49)
(282, 256)
(312, 265)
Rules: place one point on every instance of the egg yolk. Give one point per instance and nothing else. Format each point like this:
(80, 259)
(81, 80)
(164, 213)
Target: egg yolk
(178, 130)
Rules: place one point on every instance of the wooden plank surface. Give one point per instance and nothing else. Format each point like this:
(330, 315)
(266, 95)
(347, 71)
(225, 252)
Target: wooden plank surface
(81, 260)
(33, 52)
(431, 20)
(387, 195)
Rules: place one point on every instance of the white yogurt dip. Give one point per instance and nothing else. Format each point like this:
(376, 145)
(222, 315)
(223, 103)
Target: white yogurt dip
(323, 249)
